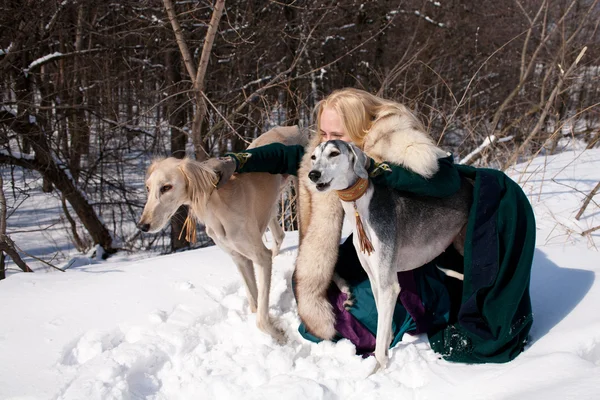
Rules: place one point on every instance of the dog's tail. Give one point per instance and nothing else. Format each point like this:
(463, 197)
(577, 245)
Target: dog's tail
(316, 313)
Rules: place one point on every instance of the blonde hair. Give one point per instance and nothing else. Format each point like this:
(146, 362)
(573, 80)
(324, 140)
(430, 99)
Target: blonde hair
(359, 110)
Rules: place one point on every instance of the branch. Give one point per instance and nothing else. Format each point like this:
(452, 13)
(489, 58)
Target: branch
(185, 52)
(532, 61)
(57, 56)
(59, 9)
(27, 163)
(37, 258)
(199, 80)
(278, 79)
(208, 44)
(79, 244)
(473, 156)
(561, 79)
(590, 230)
(8, 246)
(587, 201)
(2, 208)
(224, 119)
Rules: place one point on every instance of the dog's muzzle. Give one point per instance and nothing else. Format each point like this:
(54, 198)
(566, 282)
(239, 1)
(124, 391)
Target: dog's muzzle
(314, 175)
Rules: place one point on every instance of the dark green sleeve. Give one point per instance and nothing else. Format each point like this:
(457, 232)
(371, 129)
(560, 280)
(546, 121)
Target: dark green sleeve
(275, 158)
(444, 183)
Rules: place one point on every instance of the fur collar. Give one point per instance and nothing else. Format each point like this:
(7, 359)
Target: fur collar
(400, 139)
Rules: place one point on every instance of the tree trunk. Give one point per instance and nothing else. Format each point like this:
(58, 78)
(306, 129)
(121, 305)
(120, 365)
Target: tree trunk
(2, 225)
(6, 245)
(176, 118)
(78, 126)
(197, 75)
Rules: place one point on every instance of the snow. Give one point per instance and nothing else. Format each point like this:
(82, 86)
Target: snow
(178, 327)
(8, 110)
(431, 21)
(16, 154)
(58, 10)
(43, 60)
(5, 51)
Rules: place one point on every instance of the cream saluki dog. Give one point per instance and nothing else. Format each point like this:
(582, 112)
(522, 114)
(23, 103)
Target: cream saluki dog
(236, 215)
(398, 233)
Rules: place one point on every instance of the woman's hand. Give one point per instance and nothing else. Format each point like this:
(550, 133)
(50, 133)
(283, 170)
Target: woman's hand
(224, 167)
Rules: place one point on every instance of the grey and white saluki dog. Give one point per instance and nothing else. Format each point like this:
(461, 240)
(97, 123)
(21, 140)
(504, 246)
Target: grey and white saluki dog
(404, 231)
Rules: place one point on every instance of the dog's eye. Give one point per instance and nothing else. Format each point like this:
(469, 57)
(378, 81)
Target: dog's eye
(334, 154)
(313, 157)
(147, 189)
(166, 188)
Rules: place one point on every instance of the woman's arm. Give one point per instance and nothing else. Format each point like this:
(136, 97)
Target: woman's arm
(277, 158)
(444, 183)
(274, 158)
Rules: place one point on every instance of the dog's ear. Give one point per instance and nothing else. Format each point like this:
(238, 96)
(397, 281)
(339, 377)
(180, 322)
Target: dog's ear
(360, 162)
(200, 182)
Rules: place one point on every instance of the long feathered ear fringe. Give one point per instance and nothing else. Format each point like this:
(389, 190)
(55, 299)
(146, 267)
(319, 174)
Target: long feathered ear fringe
(200, 181)
(190, 230)
(365, 244)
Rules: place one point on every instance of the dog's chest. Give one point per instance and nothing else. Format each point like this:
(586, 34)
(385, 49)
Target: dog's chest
(361, 206)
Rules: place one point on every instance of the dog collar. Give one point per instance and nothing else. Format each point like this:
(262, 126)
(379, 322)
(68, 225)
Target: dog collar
(355, 191)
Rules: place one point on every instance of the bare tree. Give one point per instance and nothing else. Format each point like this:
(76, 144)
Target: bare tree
(91, 91)
(197, 75)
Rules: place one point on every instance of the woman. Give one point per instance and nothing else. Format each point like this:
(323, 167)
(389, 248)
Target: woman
(487, 318)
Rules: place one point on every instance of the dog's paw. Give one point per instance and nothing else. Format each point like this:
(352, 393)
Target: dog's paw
(272, 328)
(344, 288)
(349, 302)
(279, 336)
(382, 359)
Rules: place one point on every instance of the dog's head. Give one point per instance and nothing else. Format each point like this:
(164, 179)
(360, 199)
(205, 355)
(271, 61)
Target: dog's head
(170, 183)
(336, 165)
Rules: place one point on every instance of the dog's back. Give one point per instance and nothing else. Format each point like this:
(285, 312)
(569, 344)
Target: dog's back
(256, 193)
(418, 228)
(288, 135)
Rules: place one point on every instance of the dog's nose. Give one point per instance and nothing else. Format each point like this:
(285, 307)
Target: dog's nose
(143, 227)
(314, 175)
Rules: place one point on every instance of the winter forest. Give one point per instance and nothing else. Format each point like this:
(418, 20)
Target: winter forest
(91, 92)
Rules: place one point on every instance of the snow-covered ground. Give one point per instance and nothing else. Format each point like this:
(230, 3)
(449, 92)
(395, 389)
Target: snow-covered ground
(178, 327)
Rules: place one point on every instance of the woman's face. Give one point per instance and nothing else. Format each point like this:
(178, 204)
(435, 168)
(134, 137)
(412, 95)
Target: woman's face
(331, 126)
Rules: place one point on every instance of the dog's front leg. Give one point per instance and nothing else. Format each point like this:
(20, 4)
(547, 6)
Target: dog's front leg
(385, 288)
(388, 290)
(243, 264)
(246, 269)
(263, 265)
